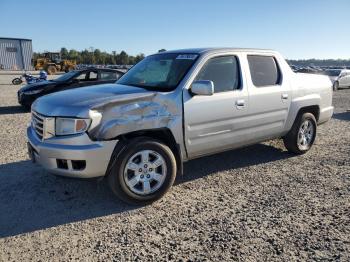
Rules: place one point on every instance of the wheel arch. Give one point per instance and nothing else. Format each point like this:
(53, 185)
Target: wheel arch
(313, 109)
(308, 103)
(162, 134)
(295, 112)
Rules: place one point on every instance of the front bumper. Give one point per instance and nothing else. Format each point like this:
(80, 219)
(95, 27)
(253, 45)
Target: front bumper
(72, 149)
(25, 100)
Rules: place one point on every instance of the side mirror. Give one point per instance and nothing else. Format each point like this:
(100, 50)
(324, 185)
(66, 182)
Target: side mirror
(202, 87)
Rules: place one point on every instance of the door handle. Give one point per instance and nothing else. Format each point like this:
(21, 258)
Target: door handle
(284, 96)
(240, 103)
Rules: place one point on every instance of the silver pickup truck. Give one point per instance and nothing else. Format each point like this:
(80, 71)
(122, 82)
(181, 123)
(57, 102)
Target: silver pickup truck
(172, 107)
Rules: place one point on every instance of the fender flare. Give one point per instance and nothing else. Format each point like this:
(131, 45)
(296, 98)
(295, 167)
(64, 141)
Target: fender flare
(300, 103)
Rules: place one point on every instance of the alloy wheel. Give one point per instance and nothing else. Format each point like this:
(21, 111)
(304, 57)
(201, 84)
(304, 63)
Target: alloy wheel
(305, 135)
(145, 172)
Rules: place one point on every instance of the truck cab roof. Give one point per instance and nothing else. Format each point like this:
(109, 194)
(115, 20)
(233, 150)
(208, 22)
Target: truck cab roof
(218, 49)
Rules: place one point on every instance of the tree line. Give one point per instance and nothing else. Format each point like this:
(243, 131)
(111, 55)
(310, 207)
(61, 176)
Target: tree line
(321, 62)
(94, 56)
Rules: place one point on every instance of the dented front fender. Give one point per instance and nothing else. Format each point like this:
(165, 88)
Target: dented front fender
(138, 112)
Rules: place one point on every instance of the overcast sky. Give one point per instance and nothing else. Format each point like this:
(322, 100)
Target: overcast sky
(298, 29)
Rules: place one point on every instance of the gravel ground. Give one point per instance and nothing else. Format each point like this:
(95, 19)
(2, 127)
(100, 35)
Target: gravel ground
(255, 203)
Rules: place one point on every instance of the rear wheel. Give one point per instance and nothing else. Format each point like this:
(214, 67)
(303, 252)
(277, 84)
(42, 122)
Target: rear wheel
(51, 70)
(143, 172)
(301, 137)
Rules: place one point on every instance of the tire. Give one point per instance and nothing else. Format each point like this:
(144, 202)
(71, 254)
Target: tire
(51, 70)
(134, 177)
(297, 141)
(336, 86)
(17, 81)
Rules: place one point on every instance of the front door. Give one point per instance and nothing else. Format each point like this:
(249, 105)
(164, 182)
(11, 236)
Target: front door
(76, 81)
(217, 122)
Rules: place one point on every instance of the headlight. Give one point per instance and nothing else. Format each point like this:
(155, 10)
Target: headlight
(33, 92)
(70, 126)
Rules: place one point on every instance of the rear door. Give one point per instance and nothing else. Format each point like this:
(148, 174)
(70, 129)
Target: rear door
(217, 122)
(269, 95)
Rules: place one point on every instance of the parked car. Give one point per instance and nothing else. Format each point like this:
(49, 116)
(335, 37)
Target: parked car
(172, 107)
(309, 70)
(73, 79)
(339, 77)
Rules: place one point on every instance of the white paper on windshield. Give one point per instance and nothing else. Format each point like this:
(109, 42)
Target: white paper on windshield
(187, 56)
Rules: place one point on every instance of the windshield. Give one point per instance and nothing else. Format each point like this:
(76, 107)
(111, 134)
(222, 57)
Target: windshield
(66, 76)
(160, 72)
(332, 72)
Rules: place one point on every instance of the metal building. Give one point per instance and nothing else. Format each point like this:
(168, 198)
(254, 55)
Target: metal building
(16, 54)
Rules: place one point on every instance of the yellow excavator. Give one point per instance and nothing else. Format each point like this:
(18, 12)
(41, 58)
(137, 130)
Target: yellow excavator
(52, 63)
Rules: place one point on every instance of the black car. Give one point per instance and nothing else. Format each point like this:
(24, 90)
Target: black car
(72, 79)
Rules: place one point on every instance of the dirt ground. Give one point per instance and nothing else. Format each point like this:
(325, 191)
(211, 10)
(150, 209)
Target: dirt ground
(255, 203)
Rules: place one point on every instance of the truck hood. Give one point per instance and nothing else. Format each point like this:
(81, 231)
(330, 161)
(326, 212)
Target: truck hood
(78, 102)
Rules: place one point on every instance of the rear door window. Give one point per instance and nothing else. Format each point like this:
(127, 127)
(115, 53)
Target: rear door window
(264, 70)
(108, 76)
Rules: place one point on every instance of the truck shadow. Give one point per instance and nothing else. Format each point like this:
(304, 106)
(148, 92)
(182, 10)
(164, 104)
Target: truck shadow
(32, 199)
(9, 110)
(342, 116)
(234, 159)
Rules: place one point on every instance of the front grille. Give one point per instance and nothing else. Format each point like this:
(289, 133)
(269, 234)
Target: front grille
(38, 124)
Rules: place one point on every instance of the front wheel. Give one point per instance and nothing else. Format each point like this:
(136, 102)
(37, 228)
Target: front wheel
(301, 137)
(143, 172)
(335, 86)
(17, 81)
